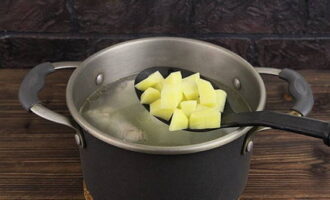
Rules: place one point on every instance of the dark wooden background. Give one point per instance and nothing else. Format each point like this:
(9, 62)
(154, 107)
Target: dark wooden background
(277, 33)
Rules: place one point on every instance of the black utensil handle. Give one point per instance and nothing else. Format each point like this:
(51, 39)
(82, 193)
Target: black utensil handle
(32, 83)
(302, 125)
(300, 91)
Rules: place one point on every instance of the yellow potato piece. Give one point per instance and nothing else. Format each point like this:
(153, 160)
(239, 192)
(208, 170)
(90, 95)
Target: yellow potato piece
(189, 87)
(204, 119)
(150, 95)
(157, 111)
(221, 99)
(195, 77)
(188, 106)
(179, 121)
(201, 107)
(171, 96)
(200, 104)
(158, 86)
(175, 78)
(184, 98)
(152, 80)
(207, 95)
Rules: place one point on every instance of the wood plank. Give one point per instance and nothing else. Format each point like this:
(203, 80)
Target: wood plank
(39, 159)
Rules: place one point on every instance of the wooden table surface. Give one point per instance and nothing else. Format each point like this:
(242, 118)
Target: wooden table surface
(40, 160)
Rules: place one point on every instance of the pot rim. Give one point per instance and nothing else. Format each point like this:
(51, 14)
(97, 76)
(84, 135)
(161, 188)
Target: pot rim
(184, 149)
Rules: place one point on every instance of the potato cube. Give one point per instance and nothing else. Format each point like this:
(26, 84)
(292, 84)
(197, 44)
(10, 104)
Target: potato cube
(221, 99)
(152, 79)
(189, 87)
(204, 119)
(188, 107)
(179, 121)
(207, 95)
(201, 107)
(157, 111)
(195, 77)
(150, 95)
(171, 96)
(175, 78)
(158, 86)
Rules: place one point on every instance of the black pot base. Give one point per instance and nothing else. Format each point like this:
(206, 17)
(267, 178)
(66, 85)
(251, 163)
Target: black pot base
(88, 196)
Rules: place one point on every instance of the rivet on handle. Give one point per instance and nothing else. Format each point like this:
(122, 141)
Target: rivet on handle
(99, 79)
(237, 83)
(249, 146)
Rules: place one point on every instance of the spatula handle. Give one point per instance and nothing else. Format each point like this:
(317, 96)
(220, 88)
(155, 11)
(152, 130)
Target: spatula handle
(302, 125)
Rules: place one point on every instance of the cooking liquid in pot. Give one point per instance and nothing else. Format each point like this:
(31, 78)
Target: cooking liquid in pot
(115, 110)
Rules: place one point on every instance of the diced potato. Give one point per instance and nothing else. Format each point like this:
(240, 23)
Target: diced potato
(158, 86)
(150, 95)
(174, 78)
(171, 96)
(157, 111)
(207, 95)
(184, 98)
(152, 79)
(221, 99)
(179, 120)
(189, 87)
(204, 119)
(195, 77)
(188, 107)
(201, 107)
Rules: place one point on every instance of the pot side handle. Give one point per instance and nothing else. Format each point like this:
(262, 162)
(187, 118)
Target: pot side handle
(299, 88)
(29, 89)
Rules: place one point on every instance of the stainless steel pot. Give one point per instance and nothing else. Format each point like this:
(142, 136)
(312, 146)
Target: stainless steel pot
(115, 169)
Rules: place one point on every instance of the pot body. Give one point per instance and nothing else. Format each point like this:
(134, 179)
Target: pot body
(118, 174)
(210, 170)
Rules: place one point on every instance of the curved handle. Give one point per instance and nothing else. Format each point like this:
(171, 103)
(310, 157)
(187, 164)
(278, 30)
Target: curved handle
(299, 88)
(32, 83)
(29, 89)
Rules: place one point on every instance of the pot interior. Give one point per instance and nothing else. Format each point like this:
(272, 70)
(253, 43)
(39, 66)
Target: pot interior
(125, 60)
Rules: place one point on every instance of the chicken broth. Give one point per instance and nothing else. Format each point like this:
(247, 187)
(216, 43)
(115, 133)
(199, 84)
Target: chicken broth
(115, 110)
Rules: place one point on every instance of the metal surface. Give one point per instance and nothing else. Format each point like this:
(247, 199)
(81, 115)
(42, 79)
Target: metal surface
(295, 113)
(66, 65)
(249, 146)
(77, 139)
(99, 79)
(50, 115)
(237, 83)
(268, 70)
(129, 58)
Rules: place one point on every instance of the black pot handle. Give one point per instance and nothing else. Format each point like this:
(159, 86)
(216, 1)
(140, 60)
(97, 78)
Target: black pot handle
(299, 88)
(33, 82)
